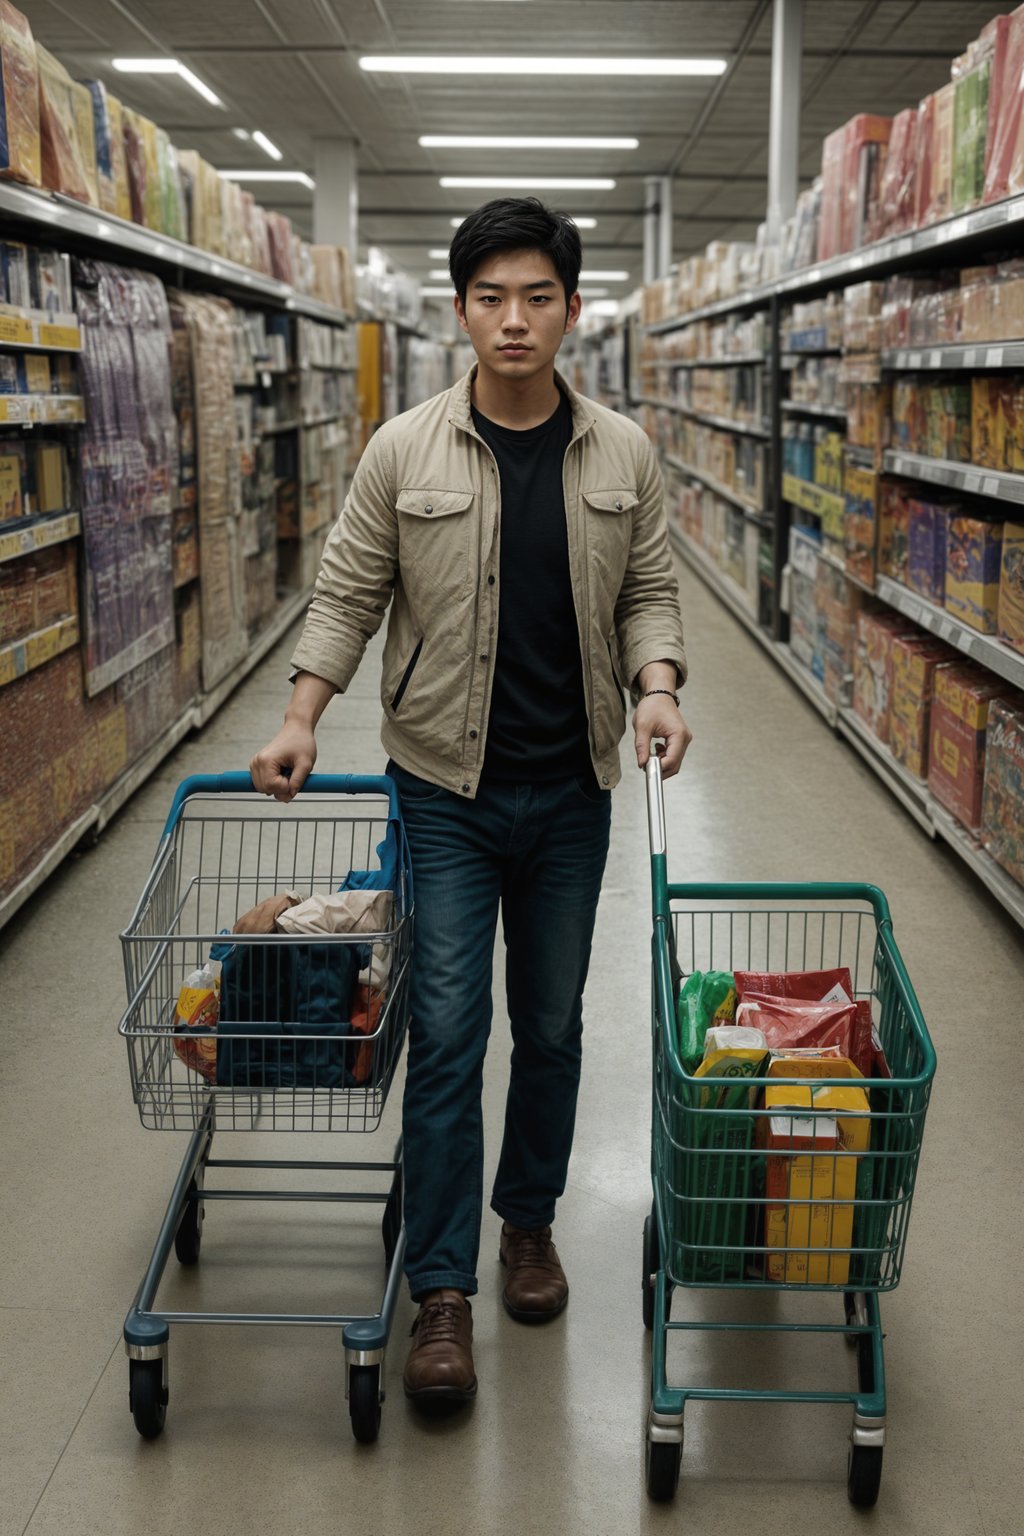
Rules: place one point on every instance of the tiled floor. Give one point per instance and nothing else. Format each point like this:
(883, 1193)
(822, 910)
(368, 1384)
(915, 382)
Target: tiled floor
(257, 1437)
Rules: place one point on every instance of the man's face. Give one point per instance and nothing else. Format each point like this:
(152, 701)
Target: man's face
(515, 313)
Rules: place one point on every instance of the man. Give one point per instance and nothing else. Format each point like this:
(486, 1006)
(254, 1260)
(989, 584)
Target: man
(518, 533)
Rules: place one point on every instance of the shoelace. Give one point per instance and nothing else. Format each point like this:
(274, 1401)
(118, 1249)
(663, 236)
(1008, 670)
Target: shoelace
(532, 1248)
(437, 1323)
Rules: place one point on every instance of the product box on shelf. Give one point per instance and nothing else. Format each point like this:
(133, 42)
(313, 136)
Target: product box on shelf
(873, 668)
(914, 660)
(862, 316)
(997, 421)
(860, 523)
(939, 192)
(1002, 814)
(972, 74)
(37, 590)
(1006, 94)
(973, 564)
(828, 460)
(838, 603)
(898, 194)
(804, 630)
(928, 544)
(868, 408)
(865, 146)
(961, 701)
(66, 131)
(894, 501)
(1011, 587)
(20, 157)
(830, 223)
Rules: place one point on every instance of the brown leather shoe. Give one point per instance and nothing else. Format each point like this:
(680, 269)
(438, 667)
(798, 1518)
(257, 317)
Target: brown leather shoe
(536, 1289)
(439, 1369)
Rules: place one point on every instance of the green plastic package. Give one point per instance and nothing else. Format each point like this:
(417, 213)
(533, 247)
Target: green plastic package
(705, 998)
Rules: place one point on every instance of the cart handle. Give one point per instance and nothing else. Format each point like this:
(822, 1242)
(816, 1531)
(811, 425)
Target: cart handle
(752, 890)
(316, 784)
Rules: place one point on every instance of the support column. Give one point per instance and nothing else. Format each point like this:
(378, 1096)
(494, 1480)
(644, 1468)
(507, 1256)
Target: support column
(665, 226)
(784, 117)
(652, 220)
(336, 199)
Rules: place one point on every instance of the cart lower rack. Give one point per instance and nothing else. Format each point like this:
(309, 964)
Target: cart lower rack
(750, 1196)
(233, 1024)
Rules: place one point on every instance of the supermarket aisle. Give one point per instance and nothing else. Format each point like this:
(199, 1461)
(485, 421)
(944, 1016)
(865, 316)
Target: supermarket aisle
(257, 1437)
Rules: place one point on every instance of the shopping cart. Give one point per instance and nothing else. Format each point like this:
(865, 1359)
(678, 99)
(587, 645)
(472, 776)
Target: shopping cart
(317, 1026)
(721, 1218)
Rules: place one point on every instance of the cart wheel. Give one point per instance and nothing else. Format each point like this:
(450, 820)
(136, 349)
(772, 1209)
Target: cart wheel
(364, 1402)
(863, 1475)
(652, 1261)
(189, 1235)
(391, 1223)
(147, 1396)
(662, 1460)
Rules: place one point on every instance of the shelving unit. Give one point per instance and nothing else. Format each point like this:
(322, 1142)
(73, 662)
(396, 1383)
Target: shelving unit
(800, 408)
(749, 508)
(40, 532)
(956, 477)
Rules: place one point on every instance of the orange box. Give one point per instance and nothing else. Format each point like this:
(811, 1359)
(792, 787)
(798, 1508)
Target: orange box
(956, 767)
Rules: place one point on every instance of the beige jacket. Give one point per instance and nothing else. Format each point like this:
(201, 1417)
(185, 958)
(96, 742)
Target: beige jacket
(420, 530)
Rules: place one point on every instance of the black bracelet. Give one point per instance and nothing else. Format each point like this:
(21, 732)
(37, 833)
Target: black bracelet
(673, 696)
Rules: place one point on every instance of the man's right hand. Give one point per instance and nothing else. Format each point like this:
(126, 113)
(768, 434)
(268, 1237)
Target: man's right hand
(283, 766)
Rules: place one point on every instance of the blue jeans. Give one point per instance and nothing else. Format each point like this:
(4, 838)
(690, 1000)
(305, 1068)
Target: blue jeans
(538, 851)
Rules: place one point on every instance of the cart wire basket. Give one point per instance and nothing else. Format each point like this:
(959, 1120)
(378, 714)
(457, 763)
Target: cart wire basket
(806, 1191)
(304, 1033)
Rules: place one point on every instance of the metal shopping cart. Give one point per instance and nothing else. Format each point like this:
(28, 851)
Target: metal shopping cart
(309, 1035)
(746, 1201)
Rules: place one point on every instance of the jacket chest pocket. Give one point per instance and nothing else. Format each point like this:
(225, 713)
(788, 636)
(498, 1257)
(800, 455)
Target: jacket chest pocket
(609, 531)
(436, 545)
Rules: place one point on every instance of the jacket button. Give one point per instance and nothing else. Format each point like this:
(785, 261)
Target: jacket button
(473, 735)
(483, 658)
(465, 789)
(604, 778)
(618, 506)
(490, 581)
(428, 508)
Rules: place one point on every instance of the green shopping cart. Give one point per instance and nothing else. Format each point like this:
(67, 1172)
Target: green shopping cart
(720, 1217)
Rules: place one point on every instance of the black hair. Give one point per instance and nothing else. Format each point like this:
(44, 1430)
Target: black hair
(516, 224)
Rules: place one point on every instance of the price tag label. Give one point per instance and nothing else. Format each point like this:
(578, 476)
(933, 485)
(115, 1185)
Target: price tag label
(12, 544)
(935, 359)
(265, 379)
(994, 357)
(16, 331)
(973, 483)
(915, 360)
(990, 486)
(63, 338)
(971, 357)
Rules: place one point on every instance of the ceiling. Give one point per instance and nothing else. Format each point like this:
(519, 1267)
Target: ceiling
(289, 67)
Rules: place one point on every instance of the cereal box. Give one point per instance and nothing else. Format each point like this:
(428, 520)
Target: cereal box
(973, 561)
(1011, 587)
(956, 763)
(873, 668)
(914, 660)
(860, 523)
(928, 536)
(894, 529)
(1002, 817)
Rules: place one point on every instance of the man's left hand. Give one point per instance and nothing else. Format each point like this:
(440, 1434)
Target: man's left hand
(658, 723)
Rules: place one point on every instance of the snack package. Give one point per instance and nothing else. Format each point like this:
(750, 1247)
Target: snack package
(1002, 816)
(789, 1022)
(733, 1066)
(956, 767)
(730, 1037)
(195, 1020)
(20, 145)
(898, 193)
(834, 986)
(706, 998)
(972, 75)
(974, 559)
(67, 132)
(928, 546)
(1011, 587)
(1006, 96)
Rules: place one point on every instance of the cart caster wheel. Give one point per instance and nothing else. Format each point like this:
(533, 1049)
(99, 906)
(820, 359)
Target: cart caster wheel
(364, 1402)
(662, 1460)
(863, 1475)
(147, 1396)
(652, 1260)
(189, 1235)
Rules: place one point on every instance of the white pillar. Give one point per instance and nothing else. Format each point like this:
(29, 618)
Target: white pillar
(665, 226)
(784, 118)
(652, 220)
(336, 199)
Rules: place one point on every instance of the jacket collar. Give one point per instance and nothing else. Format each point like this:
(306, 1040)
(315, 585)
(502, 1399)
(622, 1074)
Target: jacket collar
(460, 413)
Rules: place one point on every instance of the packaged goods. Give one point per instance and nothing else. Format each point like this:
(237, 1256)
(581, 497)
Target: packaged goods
(956, 764)
(972, 74)
(66, 132)
(20, 143)
(11, 469)
(898, 192)
(37, 590)
(135, 163)
(865, 144)
(50, 282)
(51, 477)
(790, 1022)
(873, 669)
(17, 283)
(727, 1073)
(1011, 587)
(1002, 817)
(973, 566)
(914, 660)
(833, 986)
(1006, 94)
(868, 409)
(860, 524)
(195, 1020)
(706, 999)
(830, 225)
(937, 157)
(928, 543)
(862, 317)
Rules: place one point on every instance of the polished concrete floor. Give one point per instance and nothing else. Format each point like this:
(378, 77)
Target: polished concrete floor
(257, 1437)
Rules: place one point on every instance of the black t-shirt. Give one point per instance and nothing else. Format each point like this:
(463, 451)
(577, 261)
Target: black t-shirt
(538, 722)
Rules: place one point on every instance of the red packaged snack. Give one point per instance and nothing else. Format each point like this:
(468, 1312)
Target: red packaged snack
(822, 990)
(786, 1022)
(807, 986)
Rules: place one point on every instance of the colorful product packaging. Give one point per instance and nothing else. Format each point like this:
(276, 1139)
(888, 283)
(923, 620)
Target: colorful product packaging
(972, 74)
(1002, 816)
(865, 146)
(1011, 587)
(928, 542)
(830, 224)
(860, 523)
(1006, 96)
(894, 529)
(873, 669)
(898, 194)
(941, 188)
(67, 132)
(914, 660)
(20, 143)
(956, 761)
(973, 564)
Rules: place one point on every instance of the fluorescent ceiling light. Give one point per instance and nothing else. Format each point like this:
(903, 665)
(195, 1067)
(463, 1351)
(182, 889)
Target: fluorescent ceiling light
(593, 293)
(604, 277)
(505, 141)
(167, 67)
(497, 64)
(298, 176)
(436, 293)
(438, 276)
(267, 147)
(609, 307)
(438, 255)
(584, 223)
(547, 183)
(242, 133)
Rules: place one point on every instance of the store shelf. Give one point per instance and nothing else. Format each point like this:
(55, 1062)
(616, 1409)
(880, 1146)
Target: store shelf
(840, 565)
(813, 498)
(798, 408)
(723, 586)
(805, 680)
(957, 477)
(1004, 354)
(20, 656)
(753, 298)
(63, 219)
(34, 329)
(756, 514)
(791, 356)
(29, 534)
(742, 360)
(863, 458)
(910, 792)
(987, 650)
(1002, 886)
(724, 423)
(42, 410)
(279, 426)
